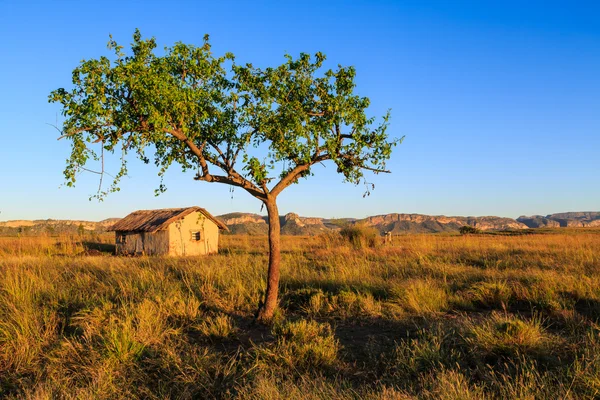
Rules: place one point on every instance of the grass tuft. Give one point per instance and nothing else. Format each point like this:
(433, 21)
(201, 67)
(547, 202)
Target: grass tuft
(301, 346)
(220, 326)
(508, 335)
(422, 296)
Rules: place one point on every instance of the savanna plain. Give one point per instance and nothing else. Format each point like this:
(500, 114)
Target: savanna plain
(424, 317)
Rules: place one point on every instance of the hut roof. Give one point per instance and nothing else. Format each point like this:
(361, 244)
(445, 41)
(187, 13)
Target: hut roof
(156, 220)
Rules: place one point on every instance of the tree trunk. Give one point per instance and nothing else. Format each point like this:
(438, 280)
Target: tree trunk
(265, 313)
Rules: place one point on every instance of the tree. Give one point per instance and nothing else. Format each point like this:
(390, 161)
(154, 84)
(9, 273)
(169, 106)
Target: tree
(200, 111)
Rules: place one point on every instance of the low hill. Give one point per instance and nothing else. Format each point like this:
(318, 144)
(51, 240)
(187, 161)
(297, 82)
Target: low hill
(567, 219)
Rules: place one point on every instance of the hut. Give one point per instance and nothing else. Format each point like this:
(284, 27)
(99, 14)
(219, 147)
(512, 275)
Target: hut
(169, 231)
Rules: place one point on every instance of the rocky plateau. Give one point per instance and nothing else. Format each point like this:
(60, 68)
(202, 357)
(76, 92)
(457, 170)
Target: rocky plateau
(294, 224)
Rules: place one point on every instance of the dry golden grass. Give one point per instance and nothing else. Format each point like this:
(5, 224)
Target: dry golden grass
(429, 316)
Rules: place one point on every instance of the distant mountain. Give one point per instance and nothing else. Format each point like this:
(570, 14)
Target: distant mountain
(567, 219)
(54, 226)
(293, 224)
(538, 221)
(417, 223)
(245, 223)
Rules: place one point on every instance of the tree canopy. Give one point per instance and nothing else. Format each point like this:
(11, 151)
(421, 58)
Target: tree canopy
(190, 107)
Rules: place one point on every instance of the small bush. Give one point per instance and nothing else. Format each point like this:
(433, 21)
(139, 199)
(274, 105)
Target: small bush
(360, 236)
(468, 230)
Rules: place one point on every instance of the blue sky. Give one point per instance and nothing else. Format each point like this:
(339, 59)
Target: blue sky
(499, 101)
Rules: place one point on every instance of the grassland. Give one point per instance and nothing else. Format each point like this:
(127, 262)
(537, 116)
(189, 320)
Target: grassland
(429, 316)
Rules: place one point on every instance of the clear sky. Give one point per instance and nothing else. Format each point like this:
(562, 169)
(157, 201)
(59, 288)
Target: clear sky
(499, 101)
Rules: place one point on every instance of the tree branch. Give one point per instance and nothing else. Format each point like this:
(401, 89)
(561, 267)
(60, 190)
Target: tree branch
(75, 132)
(292, 176)
(360, 163)
(225, 160)
(234, 178)
(234, 181)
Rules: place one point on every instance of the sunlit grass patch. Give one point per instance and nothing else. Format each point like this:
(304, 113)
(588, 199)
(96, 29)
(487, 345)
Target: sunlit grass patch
(447, 384)
(503, 334)
(272, 386)
(422, 296)
(361, 236)
(24, 333)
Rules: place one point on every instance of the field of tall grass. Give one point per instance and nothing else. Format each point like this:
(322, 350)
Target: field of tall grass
(425, 317)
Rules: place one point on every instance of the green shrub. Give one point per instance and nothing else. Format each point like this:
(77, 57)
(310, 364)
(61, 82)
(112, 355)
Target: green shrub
(468, 230)
(361, 236)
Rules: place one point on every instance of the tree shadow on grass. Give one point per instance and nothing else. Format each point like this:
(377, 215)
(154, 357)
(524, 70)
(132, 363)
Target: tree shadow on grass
(364, 341)
(308, 287)
(248, 334)
(359, 338)
(95, 248)
(589, 308)
(584, 306)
